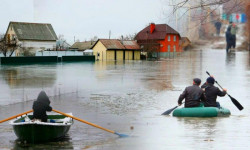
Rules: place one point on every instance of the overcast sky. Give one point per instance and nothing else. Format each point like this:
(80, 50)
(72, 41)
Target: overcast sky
(84, 19)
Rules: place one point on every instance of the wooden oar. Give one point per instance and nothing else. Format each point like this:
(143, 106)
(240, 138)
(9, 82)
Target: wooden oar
(13, 117)
(89, 123)
(235, 102)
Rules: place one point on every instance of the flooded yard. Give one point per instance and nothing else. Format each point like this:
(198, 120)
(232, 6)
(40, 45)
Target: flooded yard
(129, 97)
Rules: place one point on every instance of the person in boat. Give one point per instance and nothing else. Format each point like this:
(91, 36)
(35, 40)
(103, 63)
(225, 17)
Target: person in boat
(193, 95)
(211, 93)
(40, 106)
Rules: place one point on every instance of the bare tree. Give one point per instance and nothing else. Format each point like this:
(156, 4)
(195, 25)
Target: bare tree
(61, 43)
(200, 15)
(8, 45)
(127, 37)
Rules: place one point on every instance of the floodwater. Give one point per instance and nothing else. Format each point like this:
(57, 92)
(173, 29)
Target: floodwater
(128, 97)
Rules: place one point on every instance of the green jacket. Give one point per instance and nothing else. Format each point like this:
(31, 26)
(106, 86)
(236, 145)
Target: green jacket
(234, 30)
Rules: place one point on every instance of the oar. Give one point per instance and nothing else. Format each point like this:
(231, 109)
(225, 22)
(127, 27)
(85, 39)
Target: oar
(169, 111)
(89, 123)
(235, 102)
(16, 116)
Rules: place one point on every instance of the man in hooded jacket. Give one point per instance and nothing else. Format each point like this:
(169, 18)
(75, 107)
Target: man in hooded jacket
(40, 106)
(211, 93)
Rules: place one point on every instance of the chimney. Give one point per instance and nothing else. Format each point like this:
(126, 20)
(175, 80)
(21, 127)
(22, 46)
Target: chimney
(152, 27)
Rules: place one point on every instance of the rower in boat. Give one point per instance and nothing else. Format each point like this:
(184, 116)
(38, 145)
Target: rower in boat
(211, 93)
(40, 106)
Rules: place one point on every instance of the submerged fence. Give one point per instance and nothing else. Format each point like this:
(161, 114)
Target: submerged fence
(44, 59)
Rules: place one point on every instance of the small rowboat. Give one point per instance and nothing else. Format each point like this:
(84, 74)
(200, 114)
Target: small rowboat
(202, 112)
(36, 131)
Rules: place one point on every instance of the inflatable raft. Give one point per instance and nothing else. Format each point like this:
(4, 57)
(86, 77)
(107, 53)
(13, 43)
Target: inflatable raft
(202, 112)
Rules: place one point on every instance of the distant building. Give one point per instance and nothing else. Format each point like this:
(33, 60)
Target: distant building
(112, 49)
(184, 43)
(159, 38)
(81, 46)
(31, 36)
(62, 45)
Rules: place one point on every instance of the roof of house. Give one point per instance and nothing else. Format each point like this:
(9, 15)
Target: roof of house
(159, 32)
(185, 39)
(118, 44)
(83, 45)
(33, 31)
(131, 45)
(112, 43)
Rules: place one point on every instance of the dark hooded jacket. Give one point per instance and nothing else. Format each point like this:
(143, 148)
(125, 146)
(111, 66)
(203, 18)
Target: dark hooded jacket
(229, 38)
(193, 95)
(211, 93)
(40, 106)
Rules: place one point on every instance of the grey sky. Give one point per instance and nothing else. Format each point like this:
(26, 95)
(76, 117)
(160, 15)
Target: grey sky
(85, 19)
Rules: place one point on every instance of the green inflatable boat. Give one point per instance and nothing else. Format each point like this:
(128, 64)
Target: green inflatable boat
(202, 112)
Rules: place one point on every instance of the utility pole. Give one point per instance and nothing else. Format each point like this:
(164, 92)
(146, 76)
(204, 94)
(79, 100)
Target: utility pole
(109, 34)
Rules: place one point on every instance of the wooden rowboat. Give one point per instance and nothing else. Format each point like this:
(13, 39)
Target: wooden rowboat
(36, 131)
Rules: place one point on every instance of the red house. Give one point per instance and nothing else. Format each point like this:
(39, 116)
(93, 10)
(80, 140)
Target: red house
(159, 38)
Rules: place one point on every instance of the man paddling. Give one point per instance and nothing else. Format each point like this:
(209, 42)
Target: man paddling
(193, 95)
(40, 106)
(211, 93)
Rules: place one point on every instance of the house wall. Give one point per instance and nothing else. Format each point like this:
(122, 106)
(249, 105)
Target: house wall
(119, 55)
(10, 33)
(110, 55)
(128, 55)
(39, 45)
(137, 55)
(101, 49)
(165, 43)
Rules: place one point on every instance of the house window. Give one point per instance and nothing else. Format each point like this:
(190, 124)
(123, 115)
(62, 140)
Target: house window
(174, 38)
(13, 37)
(169, 48)
(174, 48)
(169, 38)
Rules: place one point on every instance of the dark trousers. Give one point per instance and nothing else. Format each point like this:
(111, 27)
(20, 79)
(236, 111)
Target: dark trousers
(217, 104)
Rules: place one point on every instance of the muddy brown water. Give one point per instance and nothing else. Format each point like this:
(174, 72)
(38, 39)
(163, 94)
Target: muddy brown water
(128, 97)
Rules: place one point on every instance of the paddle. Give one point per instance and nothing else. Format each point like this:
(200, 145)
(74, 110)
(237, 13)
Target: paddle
(16, 116)
(89, 123)
(169, 111)
(235, 102)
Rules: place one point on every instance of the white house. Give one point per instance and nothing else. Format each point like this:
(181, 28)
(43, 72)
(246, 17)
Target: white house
(31, 36)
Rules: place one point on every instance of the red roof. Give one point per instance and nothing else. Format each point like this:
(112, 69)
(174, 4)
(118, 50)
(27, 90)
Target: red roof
(117, 44)
(131, 45)
(112, 44)
(158, 34)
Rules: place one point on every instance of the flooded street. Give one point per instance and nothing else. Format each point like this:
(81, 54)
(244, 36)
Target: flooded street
(128, 97)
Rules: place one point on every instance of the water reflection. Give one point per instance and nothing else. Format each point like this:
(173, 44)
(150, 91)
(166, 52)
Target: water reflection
(230, 58)
(63, 144)
(28, 76)
(207, 127)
